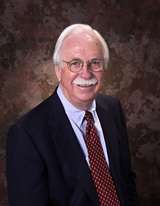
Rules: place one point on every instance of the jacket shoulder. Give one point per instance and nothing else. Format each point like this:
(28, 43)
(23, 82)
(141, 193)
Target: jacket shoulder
(107, 102)
(38, 114)
(111, 105)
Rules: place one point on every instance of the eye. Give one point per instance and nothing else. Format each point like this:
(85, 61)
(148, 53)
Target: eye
(75, 63)
(95, 62)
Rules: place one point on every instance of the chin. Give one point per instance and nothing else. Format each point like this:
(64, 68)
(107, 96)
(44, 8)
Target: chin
(86, 99)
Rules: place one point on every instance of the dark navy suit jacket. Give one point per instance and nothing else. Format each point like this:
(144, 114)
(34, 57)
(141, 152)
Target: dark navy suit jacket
(45, 163)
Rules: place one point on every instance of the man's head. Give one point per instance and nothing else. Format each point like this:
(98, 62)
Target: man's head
(80, 57)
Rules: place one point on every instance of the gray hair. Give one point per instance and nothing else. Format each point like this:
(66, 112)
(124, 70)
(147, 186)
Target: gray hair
(77, 29)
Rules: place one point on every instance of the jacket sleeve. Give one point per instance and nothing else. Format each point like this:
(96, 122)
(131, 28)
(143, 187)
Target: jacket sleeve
(26, 176)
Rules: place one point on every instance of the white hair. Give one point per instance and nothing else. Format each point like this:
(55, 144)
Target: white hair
(77, 29)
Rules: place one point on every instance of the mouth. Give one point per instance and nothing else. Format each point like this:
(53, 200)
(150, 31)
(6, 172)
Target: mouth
(85, 85)
(85, 82)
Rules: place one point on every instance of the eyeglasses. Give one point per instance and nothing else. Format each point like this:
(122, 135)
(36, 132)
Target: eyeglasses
(75, 65)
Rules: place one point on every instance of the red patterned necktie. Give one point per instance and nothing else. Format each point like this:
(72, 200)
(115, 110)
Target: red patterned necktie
(99, 169)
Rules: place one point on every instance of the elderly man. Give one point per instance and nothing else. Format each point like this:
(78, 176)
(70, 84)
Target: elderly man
(72, 149)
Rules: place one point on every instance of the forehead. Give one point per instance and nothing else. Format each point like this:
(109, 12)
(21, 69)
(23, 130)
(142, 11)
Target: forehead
(82, 46)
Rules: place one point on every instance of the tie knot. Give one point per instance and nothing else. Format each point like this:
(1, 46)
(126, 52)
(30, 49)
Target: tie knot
(88, 115)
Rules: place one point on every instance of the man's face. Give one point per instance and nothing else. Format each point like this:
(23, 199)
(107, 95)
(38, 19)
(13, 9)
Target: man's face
(84, 47)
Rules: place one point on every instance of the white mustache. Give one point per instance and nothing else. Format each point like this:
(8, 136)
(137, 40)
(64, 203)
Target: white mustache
(85, 82)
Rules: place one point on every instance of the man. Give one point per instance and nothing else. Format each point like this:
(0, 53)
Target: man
(50, 156)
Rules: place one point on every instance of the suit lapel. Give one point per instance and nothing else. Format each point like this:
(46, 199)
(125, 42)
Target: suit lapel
(110, 135)
(64, 138)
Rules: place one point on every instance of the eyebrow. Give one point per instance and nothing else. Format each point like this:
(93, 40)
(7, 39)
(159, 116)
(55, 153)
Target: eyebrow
(76, 59)
(95, 58)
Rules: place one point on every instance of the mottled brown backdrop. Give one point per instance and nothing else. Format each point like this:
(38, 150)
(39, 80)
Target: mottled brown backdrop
(28, 32)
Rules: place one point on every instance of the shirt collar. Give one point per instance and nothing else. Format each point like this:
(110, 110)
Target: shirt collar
(72, 112)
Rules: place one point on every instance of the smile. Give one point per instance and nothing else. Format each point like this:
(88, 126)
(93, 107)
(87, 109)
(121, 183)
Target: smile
(85, 85)
(85, 82)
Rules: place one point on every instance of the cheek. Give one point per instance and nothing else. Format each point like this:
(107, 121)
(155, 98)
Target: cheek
(67, 77)
(100, 78)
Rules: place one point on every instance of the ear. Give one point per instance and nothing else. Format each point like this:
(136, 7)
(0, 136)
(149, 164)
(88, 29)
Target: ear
(58, 72)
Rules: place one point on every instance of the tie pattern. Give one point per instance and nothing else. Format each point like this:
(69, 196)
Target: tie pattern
(99, 169)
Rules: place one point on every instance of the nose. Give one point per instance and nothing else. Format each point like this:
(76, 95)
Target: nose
(85, 72)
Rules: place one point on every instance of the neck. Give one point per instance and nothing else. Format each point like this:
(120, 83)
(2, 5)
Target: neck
(82, 106)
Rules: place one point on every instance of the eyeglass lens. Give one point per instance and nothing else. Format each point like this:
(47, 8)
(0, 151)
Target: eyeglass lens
(77, 65)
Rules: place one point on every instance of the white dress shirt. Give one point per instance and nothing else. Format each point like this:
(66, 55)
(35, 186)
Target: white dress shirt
(76, 118)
